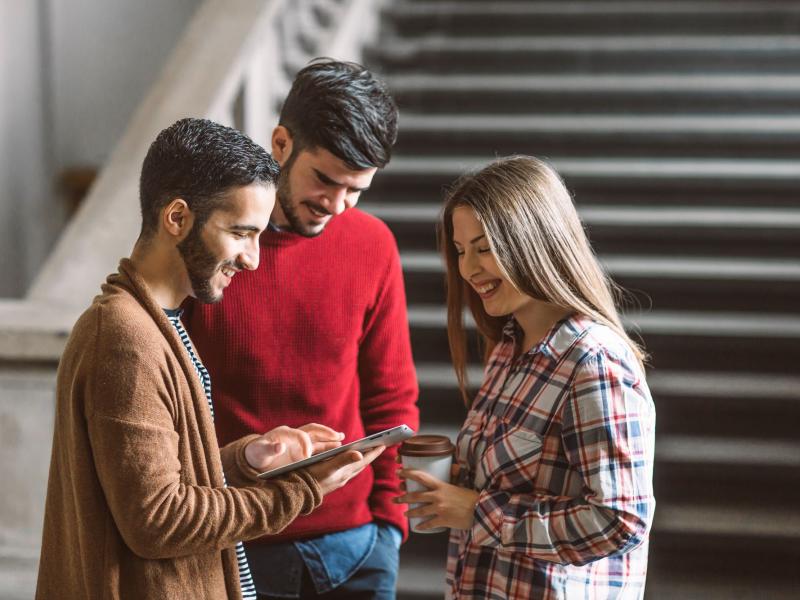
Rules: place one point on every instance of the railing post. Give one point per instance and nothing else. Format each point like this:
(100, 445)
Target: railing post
(359, 25)
(258, 110)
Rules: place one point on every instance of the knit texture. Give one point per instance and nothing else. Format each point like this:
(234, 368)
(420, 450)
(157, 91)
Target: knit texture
(245, 576)
(318, 333)
(136, 506)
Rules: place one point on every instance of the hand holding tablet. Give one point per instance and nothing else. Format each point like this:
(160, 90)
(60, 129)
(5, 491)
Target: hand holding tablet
(333, 473)
(284, 445)
(388, 437)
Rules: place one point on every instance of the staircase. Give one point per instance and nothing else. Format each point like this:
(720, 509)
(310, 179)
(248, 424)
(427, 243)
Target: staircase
(676, 125)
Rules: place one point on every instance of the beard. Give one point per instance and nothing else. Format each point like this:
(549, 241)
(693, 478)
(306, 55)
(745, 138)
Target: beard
(283, 194)
(201, 265)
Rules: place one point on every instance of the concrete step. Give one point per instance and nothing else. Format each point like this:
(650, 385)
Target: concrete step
(715, 404)
(676, 340)
(564, 18)
(609, 93)
(720, 404)
(667, 182)
(702, 136)
(562, 54)
(658, 282)
(716, 471)
(737, 171)
(423, 579)
(618, 93)
(680, 231)
(727, 471)
(694, 551)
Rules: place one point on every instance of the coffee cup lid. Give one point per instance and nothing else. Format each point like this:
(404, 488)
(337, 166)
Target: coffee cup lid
(427, 445)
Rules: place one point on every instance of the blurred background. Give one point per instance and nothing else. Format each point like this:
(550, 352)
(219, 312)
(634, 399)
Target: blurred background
(675, 123)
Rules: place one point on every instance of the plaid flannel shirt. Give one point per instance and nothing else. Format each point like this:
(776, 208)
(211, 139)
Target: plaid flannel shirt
(559, 442)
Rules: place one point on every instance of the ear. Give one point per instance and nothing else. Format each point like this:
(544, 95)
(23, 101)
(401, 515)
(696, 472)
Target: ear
(281, 144)
(177, 218)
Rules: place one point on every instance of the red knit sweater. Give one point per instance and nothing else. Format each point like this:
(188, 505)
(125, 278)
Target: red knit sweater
(318, 333)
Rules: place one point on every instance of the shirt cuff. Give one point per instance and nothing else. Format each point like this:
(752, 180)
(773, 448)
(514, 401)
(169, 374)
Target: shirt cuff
(487, 529)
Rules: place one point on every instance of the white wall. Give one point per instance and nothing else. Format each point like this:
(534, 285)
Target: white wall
(25, 201)
(105, 55)
(71, 74)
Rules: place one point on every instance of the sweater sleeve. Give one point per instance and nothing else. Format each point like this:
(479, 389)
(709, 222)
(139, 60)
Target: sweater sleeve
(135, 448)
(388, 385)
(238, 472)
(607, 434)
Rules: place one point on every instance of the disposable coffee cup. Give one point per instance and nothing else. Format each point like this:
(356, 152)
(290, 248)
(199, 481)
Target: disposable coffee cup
(432, 454)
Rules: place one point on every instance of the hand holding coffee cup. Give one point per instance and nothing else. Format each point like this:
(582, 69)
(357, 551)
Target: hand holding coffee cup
(433, 455)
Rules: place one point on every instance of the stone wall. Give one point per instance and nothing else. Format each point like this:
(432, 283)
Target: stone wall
(27, 397)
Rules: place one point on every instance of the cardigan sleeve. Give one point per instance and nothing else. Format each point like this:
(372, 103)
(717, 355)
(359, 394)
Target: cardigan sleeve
(388, 384)
(130, 410)
(607, 428)
(238, 472)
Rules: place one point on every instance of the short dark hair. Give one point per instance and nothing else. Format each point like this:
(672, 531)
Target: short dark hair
(344, 109)
(200, 161)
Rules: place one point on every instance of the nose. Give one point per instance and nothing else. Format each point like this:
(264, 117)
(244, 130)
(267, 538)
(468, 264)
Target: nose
(338, 201)
(251, 255)
(469, 266)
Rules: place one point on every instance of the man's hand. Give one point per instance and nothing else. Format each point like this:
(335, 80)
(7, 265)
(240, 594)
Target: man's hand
(334, 473)
(284, 445)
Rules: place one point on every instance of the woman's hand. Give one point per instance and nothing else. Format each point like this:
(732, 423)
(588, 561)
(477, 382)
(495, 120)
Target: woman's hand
(284, 445)
(449, 505)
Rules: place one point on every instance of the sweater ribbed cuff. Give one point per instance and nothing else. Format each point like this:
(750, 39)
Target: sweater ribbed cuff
(316, 490)
(247, 472)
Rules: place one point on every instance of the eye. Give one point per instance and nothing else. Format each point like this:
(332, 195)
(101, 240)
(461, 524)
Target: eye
(239, 235)
(484, 250)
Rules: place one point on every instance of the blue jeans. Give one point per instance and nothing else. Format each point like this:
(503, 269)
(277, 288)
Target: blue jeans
(375, 579)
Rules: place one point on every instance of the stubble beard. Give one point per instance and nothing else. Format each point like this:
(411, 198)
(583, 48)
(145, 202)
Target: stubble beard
(201, 265)
(283, 193)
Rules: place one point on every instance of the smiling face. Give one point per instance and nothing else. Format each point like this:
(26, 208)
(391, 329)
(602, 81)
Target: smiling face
(314, 186)
(228, 241)
(478, 266)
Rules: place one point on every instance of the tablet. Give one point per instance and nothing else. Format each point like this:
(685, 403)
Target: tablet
(387, 437)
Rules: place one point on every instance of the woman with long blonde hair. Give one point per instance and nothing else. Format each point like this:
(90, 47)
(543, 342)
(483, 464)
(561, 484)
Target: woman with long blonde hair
(553, 497)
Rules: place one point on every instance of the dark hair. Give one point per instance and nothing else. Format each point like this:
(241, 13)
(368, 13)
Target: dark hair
(200, 161)
(342, 108)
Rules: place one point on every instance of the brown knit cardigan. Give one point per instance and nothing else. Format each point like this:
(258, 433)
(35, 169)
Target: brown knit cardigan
(136, 507)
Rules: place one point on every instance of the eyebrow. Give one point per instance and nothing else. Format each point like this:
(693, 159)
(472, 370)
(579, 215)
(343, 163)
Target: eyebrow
(473, 240)
(328, 181)
(252, 228)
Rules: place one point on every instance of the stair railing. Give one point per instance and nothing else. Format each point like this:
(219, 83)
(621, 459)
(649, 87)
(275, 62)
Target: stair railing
(233, 64)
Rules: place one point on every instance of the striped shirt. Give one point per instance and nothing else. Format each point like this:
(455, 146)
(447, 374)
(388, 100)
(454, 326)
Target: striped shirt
(559, 443)
(174, 316)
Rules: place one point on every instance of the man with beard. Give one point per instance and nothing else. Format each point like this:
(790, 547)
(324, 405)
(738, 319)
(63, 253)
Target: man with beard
(320, 330)
(138, 504)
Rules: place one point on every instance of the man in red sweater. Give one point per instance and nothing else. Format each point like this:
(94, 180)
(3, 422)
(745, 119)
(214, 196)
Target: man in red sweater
(319, 332)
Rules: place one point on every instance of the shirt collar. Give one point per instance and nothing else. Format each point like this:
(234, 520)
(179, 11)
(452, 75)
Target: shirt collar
(557, 341)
